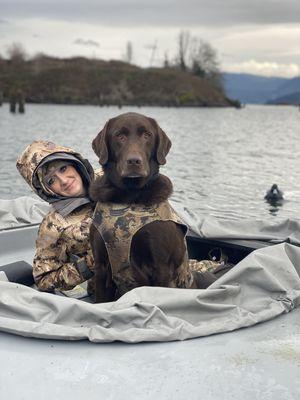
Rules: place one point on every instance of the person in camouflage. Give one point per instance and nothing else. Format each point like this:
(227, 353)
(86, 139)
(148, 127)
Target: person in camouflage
(63, 257)
(60, 176)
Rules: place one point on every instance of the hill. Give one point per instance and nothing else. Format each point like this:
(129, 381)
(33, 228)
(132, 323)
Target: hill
(253, 89)
(86, 81)
(289, 87)
(289, 99)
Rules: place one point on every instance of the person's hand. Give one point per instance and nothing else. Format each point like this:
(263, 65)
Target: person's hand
(81, 266)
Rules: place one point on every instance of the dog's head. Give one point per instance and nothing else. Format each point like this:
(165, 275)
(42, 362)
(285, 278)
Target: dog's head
(131, 147)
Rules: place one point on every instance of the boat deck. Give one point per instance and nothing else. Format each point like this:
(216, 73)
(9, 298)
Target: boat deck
(261, 362)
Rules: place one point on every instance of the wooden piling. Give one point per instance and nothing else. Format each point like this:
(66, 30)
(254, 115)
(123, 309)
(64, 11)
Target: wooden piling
(17, 98)
(21, 103)
(12, 102)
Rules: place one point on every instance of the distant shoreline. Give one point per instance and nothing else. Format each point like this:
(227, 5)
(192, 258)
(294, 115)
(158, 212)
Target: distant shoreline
(48, 80)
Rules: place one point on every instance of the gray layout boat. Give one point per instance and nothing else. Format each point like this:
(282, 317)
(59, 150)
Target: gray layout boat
(260, 361)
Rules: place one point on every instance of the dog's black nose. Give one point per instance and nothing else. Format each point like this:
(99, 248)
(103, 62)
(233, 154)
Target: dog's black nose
(136, 160)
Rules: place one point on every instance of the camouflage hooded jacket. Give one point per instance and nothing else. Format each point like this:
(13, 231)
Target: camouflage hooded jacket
(63, 238)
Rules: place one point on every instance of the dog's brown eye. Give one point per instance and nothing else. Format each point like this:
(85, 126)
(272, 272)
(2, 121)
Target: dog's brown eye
(121, 136)
(147, 134)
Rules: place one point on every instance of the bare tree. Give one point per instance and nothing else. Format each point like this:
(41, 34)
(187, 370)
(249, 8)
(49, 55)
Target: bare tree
(203, 62)
(16, 52)
(129, 52)
(183, 45)
(203, 56)
(166, 60)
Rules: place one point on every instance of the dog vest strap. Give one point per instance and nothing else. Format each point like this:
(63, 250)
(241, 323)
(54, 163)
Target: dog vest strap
(117, 224)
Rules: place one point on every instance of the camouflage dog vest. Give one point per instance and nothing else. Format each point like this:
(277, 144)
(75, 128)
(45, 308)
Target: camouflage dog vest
(118, 223)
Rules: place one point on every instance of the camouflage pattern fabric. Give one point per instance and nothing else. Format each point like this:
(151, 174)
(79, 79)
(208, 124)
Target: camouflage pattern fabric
(58, 236)
(117, 224)
(204, 265)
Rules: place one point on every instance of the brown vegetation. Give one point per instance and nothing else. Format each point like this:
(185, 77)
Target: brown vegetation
(88, 81)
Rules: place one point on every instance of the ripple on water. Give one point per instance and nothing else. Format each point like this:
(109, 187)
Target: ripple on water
(221, 163)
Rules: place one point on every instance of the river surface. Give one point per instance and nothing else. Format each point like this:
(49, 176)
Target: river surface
(222, 161)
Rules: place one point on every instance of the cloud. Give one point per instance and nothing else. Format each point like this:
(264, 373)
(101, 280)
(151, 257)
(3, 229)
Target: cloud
(86, 42)
(188, 13)
(278, 44)
(239, 30)
(264, 68)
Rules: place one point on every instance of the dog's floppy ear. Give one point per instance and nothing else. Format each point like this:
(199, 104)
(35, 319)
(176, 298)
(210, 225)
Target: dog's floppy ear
(99, 145)
(163, 143)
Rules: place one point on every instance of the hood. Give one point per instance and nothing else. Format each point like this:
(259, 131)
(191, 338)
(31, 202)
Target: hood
(38, 153)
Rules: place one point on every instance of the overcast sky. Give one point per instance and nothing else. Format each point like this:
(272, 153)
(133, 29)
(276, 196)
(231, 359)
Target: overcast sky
(253, 36)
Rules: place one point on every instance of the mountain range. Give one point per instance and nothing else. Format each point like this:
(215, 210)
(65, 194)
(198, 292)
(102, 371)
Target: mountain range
(257, 89)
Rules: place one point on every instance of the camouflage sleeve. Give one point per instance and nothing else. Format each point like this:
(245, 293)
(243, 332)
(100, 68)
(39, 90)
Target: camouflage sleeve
(51, 267)
(98, 172)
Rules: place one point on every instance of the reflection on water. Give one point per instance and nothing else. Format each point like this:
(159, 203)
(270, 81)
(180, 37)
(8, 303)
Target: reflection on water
(274, 206)
(222, 161)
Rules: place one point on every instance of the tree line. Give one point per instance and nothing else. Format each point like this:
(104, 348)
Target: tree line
(191, 78)
(193, 55)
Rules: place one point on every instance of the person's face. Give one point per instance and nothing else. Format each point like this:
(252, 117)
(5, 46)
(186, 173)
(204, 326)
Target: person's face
(66, 181)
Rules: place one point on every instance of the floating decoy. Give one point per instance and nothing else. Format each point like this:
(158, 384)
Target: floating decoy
(274, 194)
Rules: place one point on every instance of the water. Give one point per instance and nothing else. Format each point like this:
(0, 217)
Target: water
(221, 163)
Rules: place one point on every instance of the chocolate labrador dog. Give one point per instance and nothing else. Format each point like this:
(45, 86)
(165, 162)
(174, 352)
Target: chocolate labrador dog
(136, 237)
